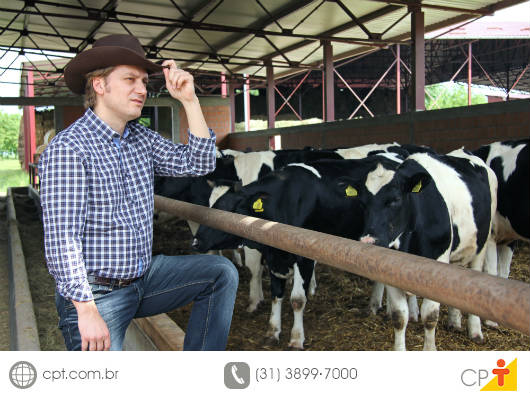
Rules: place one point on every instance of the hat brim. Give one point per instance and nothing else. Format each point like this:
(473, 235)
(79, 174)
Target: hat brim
(102, 57)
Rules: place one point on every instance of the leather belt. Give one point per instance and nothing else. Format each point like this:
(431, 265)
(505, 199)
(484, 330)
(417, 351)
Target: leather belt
(111, 282)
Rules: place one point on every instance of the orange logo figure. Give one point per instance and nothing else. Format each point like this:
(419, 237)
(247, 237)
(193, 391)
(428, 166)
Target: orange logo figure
(505, 377)
(501, 372)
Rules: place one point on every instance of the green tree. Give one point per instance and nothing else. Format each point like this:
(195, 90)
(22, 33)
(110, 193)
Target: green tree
(450, 95)
(9, 129)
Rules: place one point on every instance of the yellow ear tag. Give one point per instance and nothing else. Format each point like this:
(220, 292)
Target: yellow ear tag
(258, 206)
(351, 192)
(417, 187)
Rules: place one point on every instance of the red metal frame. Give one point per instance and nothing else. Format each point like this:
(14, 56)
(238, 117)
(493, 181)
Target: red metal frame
(329, 86)
(271, 102)
(398, 79)
(29, 124)
(286, 101)
(418, 58)
(353, 92)
(518, 79)
(373, 88)
(469, 73)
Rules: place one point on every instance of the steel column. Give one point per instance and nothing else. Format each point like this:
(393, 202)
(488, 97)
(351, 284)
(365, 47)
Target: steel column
(469, 72)
(223, 84)
(418, 58)
(232, 97)
(246, 101)
(323, 97)
(398, 79)
(271, 103)
(29, 124)
(329, 86)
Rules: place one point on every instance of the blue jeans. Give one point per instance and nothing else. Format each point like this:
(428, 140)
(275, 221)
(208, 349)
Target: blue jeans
(209, 281)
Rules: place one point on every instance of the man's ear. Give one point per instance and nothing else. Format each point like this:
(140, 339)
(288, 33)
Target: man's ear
(98, 84)
(417, 182)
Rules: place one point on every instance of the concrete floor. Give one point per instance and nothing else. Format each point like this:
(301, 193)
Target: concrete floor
(4, 279)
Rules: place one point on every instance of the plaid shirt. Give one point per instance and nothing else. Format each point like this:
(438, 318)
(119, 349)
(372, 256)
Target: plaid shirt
(97, 198)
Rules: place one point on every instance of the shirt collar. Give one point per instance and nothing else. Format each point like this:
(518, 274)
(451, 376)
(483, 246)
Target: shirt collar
(102, 128)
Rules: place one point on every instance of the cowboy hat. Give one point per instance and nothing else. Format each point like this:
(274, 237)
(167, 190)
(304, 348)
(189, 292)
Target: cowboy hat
(112, 50)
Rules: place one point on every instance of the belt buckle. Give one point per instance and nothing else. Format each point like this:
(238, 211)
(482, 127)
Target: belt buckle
(123, 283)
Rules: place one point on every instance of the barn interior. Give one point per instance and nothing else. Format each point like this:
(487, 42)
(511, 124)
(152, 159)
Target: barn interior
(360, 66)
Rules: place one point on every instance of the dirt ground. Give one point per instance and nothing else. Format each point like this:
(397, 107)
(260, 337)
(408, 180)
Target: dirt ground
(334, 318)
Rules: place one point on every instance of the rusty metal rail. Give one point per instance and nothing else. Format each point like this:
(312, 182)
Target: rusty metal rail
(501, 300)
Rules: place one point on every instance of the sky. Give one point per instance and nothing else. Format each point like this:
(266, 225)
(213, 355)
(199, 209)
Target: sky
(519, 12)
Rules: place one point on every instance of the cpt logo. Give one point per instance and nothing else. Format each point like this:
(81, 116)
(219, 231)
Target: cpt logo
(504, 377)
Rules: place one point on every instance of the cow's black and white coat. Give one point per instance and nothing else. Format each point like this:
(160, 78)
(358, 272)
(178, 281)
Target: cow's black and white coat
(252, 166)
(248, 167)
(510, 162)
(440, 207)
(317, 195)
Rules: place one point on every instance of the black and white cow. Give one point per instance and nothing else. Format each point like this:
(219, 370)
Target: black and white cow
(440, 207)
(510, 162)
(316, 195)
(254, 165)
(248, 167)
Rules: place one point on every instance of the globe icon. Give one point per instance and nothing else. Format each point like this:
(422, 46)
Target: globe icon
(23, 375)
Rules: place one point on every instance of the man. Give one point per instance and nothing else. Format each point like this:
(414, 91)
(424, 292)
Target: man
(97, 201)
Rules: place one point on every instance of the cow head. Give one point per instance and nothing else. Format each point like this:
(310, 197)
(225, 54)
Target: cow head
(208, 238)
(388, 207)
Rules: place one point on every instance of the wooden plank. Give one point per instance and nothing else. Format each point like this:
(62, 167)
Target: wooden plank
(163, 331)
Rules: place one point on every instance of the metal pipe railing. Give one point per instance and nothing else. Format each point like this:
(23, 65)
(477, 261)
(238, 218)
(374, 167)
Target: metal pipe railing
(504, 301)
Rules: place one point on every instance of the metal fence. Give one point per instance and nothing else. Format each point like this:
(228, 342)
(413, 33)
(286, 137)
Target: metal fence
(502, 300)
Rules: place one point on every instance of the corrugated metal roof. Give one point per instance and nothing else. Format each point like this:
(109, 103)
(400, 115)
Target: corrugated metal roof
(231, 36)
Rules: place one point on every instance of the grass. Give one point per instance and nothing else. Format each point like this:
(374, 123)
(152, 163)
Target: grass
(11, 175)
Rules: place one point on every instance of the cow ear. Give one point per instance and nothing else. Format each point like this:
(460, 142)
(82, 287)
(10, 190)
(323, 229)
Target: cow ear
(348, 187)
(237, 186)
(257, 202)
(417, 182)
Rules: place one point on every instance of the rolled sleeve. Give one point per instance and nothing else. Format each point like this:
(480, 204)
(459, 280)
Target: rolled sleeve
(63, 197)
(197, 158)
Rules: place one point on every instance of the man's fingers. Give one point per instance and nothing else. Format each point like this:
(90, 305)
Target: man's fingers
(176, 77)
(100, 344)
(106, 343)
(93, 345)
(84, 344)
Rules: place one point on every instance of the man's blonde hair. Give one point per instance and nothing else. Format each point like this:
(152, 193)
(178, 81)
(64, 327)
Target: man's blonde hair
(90, 94)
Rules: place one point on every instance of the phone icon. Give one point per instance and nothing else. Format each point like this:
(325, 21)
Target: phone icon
(237, 375)
(237, 378)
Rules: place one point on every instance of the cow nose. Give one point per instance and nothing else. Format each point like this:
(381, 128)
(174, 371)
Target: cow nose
(195, 243)
(368, 239)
